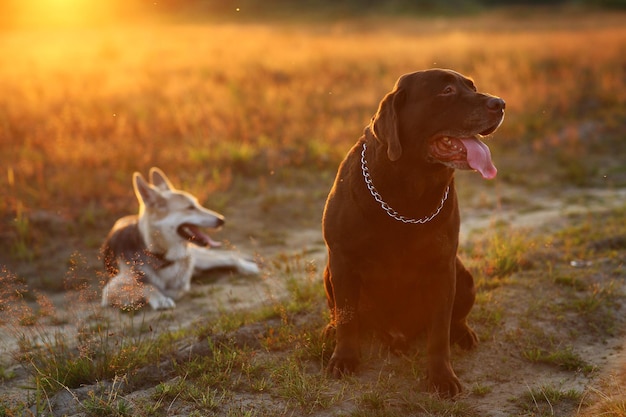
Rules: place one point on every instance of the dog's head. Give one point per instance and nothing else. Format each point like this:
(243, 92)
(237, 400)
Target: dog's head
(439, 116)
(174, 212)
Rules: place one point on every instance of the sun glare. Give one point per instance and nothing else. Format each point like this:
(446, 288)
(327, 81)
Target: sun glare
(61, 13)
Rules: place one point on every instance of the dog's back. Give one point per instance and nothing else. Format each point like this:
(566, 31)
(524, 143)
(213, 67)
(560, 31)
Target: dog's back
(125, 244)
(122, 244)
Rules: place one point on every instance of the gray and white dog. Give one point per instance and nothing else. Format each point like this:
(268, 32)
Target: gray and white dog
(152, 256)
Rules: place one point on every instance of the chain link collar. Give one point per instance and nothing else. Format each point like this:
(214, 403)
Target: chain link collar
(390, 211)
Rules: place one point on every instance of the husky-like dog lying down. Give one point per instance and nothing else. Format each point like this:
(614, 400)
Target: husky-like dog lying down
(151, 257)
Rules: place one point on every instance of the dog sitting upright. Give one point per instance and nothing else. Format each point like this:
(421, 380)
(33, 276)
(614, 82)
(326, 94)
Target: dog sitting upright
(152, 256)
(391, 223)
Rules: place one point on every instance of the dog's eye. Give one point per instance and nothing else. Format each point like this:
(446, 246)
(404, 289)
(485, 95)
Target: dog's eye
(448, 90)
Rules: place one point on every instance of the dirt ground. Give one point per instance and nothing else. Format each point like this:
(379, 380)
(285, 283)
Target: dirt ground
(494, 366)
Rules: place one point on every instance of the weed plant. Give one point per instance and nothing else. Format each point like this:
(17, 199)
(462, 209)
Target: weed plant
(277, 359)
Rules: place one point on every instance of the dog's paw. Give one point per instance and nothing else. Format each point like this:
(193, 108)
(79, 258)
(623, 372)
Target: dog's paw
(247, 267)
(329, 332)
(124, 301)
(161, 302)
(444, 383)
(464, 336)
(397, 341)
(341, 364)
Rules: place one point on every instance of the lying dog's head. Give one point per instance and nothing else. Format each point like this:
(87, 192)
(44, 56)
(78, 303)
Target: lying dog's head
(171, 212)
(439, 116)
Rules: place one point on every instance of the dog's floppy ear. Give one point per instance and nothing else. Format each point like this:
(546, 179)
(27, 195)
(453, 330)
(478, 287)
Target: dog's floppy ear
(384, 124)
(160, 180)
(146, 194)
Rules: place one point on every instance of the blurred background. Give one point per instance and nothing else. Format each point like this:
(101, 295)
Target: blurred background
(58, 13)
(239, 100)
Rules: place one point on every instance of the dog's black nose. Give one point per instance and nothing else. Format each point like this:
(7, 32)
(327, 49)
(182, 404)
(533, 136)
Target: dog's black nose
(495, 104)
(220, 222)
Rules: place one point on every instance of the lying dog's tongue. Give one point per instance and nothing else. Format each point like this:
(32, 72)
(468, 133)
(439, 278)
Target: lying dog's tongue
(195, 235)
(479, 157)
(212, 243)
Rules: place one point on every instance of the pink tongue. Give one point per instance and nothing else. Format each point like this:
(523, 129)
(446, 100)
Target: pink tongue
(212, 243)
(479, 157)
(207, 239)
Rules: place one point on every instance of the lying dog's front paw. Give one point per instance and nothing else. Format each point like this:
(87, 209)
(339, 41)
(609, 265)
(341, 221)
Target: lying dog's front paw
(161, 302)
(247, 267)
(342, 364)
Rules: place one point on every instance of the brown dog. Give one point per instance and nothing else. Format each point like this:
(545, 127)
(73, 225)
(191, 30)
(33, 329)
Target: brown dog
(391, 222)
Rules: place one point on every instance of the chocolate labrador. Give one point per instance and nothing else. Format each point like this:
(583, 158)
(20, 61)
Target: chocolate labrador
(391, 222)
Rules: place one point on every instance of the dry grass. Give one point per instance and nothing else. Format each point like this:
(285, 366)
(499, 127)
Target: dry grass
(536, 341)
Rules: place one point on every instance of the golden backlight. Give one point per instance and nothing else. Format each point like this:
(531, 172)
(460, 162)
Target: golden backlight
(60, 13)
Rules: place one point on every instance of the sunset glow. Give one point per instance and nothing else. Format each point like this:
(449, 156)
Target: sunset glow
(60, 13)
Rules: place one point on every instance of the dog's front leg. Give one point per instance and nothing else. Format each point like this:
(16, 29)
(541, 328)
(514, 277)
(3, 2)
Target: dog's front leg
(441, 376)
(345, 300)
(464, 298)
(207, 259)
(156, 299)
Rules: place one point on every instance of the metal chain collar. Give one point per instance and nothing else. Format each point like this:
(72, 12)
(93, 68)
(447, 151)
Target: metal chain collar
(390, 211)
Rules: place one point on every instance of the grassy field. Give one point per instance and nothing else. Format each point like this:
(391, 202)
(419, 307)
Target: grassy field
(81, 109)
(254, 119)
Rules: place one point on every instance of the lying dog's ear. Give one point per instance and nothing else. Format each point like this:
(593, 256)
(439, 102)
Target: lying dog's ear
(146, 194)
(384, 124)
(160, 180)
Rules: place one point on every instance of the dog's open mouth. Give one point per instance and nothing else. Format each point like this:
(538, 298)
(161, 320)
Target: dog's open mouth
(192, 233)
(464, 153)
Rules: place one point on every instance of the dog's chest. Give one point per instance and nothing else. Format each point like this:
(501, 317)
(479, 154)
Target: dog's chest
(176, 275)
(407, 241)
(398, 258)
